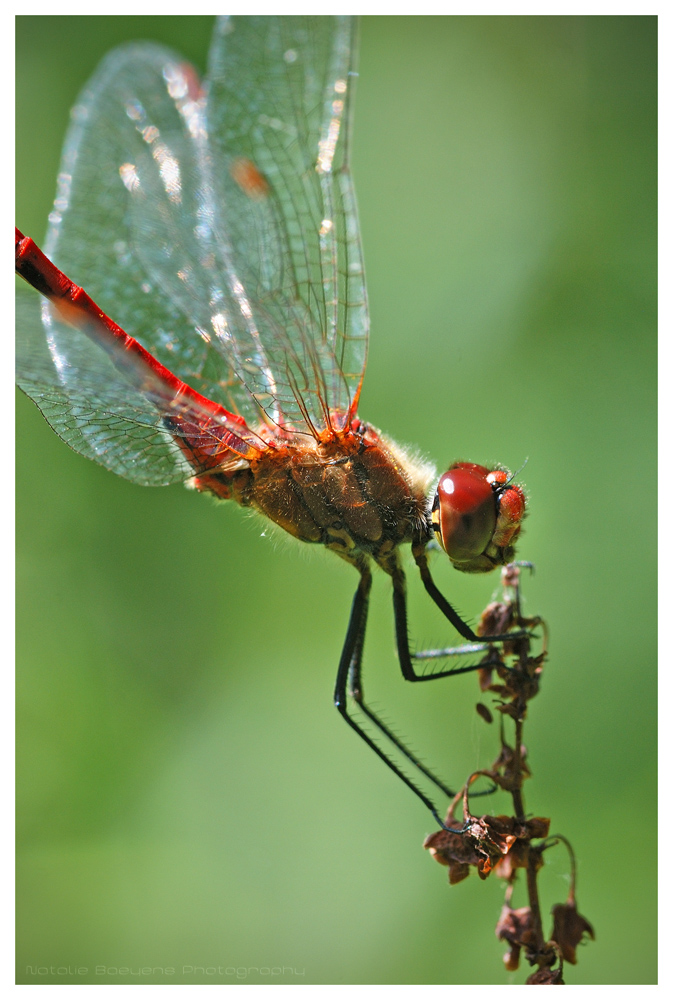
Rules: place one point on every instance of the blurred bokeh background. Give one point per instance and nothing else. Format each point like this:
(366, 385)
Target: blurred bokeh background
(187, 794)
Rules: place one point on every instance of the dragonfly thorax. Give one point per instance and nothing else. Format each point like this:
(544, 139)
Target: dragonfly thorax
(358, 493)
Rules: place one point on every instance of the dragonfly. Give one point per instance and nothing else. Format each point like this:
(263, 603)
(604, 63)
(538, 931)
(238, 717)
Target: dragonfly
(216, 221)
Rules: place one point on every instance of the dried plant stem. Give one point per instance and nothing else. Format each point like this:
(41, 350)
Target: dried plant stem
(520, 813)
(506, 844)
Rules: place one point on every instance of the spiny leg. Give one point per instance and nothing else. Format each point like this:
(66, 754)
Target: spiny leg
(356, 692)
(349, 672)
(418, 550)
(402, 635)
(392, 566)
(404, 653)
(510, 611)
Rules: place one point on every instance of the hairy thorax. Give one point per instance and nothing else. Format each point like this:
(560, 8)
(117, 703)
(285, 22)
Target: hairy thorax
(354, 491)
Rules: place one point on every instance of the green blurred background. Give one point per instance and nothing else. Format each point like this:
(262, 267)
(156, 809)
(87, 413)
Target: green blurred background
(188, 796)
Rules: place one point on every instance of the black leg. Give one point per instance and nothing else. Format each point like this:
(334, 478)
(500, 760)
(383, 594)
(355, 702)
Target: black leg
(402, 636)
(349, 673)
(460, 626)
(356, 692)
(449, 612)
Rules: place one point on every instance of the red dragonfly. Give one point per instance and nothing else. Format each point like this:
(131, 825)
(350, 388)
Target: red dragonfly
(217, 222)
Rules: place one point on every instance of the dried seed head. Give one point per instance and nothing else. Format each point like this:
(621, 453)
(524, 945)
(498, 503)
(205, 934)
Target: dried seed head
(569, 929)
(518, 928)
(496, 619)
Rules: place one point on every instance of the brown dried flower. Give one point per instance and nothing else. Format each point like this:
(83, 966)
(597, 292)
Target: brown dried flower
(510, 772)
(519, 856)
(454, 850)
(517, 927)
(487, 840)
(490, 662)
(569, 929)
(520, 684)
(497, 618)
(484, 711)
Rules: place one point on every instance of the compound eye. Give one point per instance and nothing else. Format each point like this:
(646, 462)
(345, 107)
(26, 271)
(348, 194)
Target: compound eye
(465, 512)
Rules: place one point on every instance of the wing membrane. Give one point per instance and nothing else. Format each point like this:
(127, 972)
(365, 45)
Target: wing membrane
(218, 226)
(112, 407)
(280, 95)
(91, 406)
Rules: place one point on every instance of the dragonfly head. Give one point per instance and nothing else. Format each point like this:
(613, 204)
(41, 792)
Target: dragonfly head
(476, 515)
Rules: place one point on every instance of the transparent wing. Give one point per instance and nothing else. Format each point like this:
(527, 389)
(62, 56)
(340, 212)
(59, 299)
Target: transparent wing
(219, 229)
(130, 177)
(108, 406)
(100, 417)
(280, 93)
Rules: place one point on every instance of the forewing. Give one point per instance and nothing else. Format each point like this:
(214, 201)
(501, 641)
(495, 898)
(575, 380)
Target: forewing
(130, 220)
(251, 291)
(279, 102)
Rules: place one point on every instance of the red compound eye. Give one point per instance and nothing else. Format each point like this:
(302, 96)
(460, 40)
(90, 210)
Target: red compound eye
(465, 511)
(477, 516)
